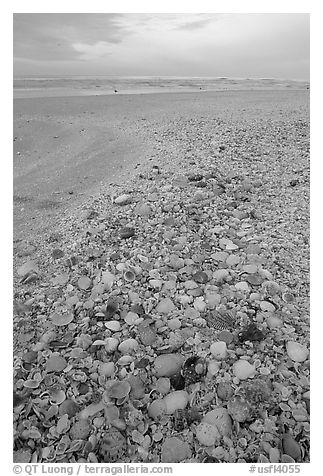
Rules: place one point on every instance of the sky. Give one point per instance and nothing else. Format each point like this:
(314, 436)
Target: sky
(254, 45)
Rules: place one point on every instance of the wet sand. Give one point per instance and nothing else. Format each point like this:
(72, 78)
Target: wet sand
(66, 148)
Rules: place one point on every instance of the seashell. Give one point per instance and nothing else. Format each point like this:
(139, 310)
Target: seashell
(75, 446)
(297, 352)
(61, 319)
(80, 430)
(107, 369)
(28, 267)
(55, 363)
(92, 410)
(262, 459)
(111, 413)
(243, 370)
(251, 333)
(287, 459)
(128, 346)
(163, 385)
(165, 306)
(177, 381)
(129, 275)
(69, 407)
(288, 297)
(63, 425)
(125, 360)
(31, 383)
(84, 282)
(118, 389)
(200, 277)
(111, 344)
(113, 326)
(57, 397)
(124, 199)
(137, 387)
(219, 350)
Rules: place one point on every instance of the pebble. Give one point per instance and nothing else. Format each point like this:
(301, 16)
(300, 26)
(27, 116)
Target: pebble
(267, 306)
(84, 282)
(126, 232)
(274, 322)
(176, 401)
(221, 275)
(128, 346)
(174, 324)
(157, 409)
(243, 370)
(242, 286)
(297, 352)
(143, 210)
(207, 434)
(239, 410)
(219, 350)
(163, 385)
(213, 368)
(166, 365)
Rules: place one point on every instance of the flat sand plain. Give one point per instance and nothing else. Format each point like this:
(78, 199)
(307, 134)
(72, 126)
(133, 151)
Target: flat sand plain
(66, 147)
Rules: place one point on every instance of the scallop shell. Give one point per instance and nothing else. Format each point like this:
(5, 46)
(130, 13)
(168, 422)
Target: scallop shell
(118, 390)
(113, 446)
(61, 319)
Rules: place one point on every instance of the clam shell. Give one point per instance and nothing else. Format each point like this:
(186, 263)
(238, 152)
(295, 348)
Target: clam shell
(118, 390)
(61, 319)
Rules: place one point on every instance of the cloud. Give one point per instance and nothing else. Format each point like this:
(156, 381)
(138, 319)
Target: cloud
(195, 25)
(43, 36)
(92, 52)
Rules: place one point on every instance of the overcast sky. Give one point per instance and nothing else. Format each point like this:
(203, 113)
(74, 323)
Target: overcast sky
(161, 44)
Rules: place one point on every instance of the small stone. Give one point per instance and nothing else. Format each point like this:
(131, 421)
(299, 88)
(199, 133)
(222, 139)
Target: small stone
(297, 352)
(226, 337)
(176, 401)
(27, 268)
(224, 391)
(239, 410)
(213, 368)
(207, 434)
(143, 210)
(176, 262)
(157, 409)
(57, 253)
(219, 350)
(137, 387)
(166, 365)
(243, 370)
(123, 200)
(113, 326)
(212, 299)
(128, 346)
(175, 450)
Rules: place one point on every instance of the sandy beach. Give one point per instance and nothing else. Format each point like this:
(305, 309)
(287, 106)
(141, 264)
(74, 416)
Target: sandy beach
(161, 278)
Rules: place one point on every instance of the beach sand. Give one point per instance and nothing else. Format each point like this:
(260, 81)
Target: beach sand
(67, 147)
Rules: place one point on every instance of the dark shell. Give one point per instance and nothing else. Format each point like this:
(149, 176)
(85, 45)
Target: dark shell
(220, 320)
(146, 333)
(111, 309)
(126, 232)
(195, 177)
(57, 253)
(200, 277)
(177, 381)
(112, 447)
(190, 367)
(254, 279)
(251, 333)
(69, 407)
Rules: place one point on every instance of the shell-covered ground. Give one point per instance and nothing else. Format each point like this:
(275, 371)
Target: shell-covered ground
(167, 319)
